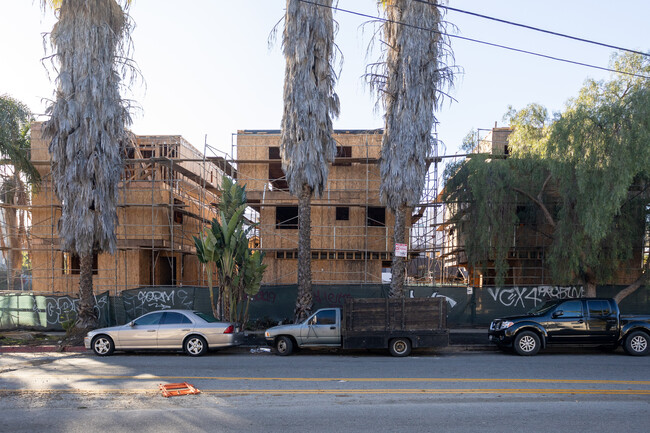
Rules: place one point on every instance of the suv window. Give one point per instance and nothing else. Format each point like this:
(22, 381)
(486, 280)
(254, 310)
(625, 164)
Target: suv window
(175, 319)
(571, 309)
(327, 317)
(149, 319)
(598, 308)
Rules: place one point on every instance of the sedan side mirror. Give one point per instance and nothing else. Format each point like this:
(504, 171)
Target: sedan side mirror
(557, 314)
(132, 323)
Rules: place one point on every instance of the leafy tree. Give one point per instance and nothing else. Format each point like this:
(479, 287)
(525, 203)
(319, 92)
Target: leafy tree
(307, 146)
(87, 130)
(587, 171)
(409, 83)
(225, 249)
(17, 176)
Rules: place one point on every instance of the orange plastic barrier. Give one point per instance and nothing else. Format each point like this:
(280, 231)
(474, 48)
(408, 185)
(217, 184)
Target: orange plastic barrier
(174, 389)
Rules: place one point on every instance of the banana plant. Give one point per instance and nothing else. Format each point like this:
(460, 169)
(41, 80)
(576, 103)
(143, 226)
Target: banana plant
(206, 252)
(239, 270)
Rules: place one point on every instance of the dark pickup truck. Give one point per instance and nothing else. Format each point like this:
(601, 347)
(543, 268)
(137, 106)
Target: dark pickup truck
(584, 321)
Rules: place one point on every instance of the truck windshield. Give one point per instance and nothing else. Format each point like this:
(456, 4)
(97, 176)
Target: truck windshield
(544, 308)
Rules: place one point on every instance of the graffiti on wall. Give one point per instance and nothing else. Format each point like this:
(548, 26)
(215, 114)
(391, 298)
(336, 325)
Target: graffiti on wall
(59, 309)
(330, 299)
(264, 296)
(142, 301)
(529, 297)
(452, 303)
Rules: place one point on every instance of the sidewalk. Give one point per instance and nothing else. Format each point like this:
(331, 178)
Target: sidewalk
(465, 339)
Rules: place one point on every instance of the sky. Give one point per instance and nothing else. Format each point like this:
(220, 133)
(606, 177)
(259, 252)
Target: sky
(208, 69)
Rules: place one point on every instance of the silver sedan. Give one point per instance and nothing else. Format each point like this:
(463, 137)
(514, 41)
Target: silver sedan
(192, 331)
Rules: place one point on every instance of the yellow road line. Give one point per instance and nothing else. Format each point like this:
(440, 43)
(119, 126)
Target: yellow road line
(431, 391)
(230, 392)
(370, 379)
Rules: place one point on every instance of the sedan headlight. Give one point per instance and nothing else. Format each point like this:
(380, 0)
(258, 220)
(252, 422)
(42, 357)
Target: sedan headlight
(267, 334)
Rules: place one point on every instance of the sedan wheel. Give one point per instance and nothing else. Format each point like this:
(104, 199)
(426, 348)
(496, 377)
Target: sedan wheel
(195, 345)
(103, 345)
(637, 343)
(527, 343)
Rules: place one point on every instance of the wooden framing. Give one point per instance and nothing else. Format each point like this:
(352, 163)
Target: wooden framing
(349, 246)
(166, 196)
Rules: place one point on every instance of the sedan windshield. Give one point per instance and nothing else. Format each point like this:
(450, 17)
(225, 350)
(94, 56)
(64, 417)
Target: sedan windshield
(208, 318)
(542, 309)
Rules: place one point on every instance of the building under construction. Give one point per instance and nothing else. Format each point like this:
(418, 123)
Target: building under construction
(167, 195)
(352, 232)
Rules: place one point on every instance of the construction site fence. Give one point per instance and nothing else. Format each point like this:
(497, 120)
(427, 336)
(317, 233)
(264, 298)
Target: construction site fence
(467, 306)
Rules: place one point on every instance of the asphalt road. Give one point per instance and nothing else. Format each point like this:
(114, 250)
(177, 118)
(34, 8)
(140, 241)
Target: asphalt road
(451, 392)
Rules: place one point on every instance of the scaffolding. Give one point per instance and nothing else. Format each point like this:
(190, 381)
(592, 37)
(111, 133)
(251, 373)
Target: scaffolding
(352, 232)
(167, 195)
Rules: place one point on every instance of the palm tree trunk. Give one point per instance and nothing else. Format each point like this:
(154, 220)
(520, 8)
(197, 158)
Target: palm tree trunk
(13, 255)
(399, 263)
(86, 316)
(304, 302)
(591, 289)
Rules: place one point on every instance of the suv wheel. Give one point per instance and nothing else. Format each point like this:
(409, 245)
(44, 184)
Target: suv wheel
(527, 343)
(637, 344)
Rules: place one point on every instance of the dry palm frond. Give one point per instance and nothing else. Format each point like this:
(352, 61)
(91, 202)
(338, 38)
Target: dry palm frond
(309, 99)
(88, 120)
(410, 84)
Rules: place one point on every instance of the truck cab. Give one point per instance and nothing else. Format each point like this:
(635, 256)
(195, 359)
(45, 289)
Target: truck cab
(321, 329)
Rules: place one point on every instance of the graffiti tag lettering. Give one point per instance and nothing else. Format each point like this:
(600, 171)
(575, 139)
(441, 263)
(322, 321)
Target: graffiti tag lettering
(526, 297)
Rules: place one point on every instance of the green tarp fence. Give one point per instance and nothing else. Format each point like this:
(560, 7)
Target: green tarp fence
(466, 307)
(46, 312)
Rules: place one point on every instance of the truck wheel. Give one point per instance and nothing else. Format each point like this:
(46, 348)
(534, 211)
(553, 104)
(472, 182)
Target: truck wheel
(637, 344)
(399, 346)
(527, 343)
(283, 346)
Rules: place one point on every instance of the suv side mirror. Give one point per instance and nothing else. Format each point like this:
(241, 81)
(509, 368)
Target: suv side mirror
(558, 313)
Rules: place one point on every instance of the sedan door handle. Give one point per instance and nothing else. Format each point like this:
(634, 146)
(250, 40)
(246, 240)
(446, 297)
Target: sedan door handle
(185, 330)
(581, 321)
(151, 330)
(332, 327)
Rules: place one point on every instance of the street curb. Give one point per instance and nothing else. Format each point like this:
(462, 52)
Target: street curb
(238, 349)
(41, 349)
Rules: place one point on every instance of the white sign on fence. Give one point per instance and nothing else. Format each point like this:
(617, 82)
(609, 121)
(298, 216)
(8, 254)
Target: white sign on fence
(400, 250)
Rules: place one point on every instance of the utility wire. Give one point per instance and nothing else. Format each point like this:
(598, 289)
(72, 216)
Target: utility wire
(537, 29)
(518, 50)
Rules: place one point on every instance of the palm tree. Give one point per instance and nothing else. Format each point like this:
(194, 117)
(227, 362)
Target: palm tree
(409, 84)
(307, 146)
(87, 131)
(15, 118)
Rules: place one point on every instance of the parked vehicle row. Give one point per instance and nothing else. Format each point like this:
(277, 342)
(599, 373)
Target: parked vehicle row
(397, 325)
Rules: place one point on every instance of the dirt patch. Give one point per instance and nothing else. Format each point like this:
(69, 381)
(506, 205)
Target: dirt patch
(24, 338)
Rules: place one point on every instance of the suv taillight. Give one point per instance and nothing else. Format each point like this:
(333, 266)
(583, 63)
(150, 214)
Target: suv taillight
(229, 330)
